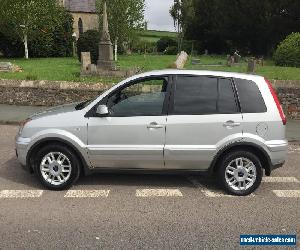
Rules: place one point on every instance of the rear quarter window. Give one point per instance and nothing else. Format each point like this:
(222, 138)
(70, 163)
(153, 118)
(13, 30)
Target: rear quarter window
(250, 98)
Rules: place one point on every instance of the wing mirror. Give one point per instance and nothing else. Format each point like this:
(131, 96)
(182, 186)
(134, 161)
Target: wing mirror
(102, 110)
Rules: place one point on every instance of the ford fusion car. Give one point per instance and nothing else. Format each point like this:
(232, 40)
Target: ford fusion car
(228, 124)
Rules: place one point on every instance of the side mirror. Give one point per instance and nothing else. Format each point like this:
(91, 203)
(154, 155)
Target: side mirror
(102, 110)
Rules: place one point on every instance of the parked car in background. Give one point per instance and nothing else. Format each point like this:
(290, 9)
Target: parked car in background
(227, 124)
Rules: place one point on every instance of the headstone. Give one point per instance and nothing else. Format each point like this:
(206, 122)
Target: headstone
(92, 68)
(230, 60)
(236, 57)
(195, 61)
(251, 65)
(181, 60)
(85, 60)
(260, 61)
(105, 60)
(6, 66)
(206, 52)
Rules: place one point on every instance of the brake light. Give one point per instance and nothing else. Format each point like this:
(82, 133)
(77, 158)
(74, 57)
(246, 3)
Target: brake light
(275, 97)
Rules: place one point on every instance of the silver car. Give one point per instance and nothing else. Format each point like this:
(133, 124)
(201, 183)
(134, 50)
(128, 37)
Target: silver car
(227, 124)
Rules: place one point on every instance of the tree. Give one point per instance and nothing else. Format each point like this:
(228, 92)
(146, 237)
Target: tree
(288, 51)
(180, 10)
(28, 18)
(255, 26)
(125, 17)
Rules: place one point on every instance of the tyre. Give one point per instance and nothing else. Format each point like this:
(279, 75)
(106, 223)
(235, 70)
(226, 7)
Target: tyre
(240, 173)
(57, 167)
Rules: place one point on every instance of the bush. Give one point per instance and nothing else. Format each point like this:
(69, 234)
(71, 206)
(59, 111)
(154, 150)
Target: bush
(43, 42)
(11, 47)
(172, 50)
(56, 43)
(88, 42)
(140, 46)
(165, 42)
(288, 51)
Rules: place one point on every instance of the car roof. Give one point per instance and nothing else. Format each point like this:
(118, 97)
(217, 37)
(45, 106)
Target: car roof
(196, 72)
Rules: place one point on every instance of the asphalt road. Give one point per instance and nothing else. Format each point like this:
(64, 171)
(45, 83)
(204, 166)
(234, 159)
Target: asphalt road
(178, 212)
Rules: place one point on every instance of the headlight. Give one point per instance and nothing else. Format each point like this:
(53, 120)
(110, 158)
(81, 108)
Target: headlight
(22, 124)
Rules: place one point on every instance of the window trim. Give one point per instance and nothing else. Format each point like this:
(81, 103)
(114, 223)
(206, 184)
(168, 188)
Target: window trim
(172, 98)
(103, 101)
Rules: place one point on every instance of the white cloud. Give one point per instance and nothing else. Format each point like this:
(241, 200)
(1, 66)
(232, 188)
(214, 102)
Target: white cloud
(158, 16)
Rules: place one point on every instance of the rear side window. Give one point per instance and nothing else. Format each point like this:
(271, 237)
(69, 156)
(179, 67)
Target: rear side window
(201, 95)
(250, 97)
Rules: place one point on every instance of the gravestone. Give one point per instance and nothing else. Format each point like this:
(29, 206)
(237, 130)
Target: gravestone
(195, 61)
(92, 68)
(9, 67)
(251, 65)
(105, 63)
(230, 60)
(181, 60)
(105, 59)
(236, 57)
(85, 60)
(6, 66)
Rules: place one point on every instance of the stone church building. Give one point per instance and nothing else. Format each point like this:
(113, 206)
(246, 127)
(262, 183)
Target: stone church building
(84, 14)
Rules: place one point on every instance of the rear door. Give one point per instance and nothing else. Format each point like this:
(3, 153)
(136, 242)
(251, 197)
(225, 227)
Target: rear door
(203, 116)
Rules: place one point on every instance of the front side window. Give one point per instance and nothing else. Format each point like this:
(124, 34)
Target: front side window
(144, 98)
(202, 95)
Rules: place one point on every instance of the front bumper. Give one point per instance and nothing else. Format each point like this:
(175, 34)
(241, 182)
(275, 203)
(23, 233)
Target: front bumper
(22, 149)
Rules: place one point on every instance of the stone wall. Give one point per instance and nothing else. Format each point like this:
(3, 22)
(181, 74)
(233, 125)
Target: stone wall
(48, 93)
(289, 94)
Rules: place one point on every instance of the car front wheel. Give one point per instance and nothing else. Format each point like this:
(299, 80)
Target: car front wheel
(57, 167)
(240, 173)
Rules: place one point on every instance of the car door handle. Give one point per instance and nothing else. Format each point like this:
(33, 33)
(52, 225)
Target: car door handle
(231, 124)
(154, 125)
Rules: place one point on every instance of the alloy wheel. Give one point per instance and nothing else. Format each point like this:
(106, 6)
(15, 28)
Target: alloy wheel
(56, 168)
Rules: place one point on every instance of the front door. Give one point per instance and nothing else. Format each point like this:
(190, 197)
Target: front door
(204, 116)
(133, 134)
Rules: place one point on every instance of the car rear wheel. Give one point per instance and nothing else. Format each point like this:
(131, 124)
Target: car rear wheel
(240, 173)
(57, 167)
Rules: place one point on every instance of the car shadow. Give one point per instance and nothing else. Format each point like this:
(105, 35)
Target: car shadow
(14, 173)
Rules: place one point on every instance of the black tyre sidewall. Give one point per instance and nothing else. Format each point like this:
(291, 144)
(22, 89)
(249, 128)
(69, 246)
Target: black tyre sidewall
(75, 172)
(231, 156)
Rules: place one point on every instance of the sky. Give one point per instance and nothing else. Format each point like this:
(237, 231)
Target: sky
(157, 15)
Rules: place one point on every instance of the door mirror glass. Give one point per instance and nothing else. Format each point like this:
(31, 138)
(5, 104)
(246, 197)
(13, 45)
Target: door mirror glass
(102, 110)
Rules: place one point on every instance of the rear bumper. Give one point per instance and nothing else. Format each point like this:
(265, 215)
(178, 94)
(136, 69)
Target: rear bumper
(277, 151)
(277, 166)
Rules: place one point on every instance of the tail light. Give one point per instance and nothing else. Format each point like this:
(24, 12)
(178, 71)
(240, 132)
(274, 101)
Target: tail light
(279, 108)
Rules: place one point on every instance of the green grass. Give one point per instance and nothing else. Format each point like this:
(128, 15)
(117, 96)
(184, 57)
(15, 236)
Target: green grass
(67, 69)
(154, 35)
(146, 62)
(269, 70)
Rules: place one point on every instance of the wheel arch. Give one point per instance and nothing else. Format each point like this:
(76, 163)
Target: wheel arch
(53, 140)
(247, 146)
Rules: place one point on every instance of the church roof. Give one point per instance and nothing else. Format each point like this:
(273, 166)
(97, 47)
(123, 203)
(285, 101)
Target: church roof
(88, 6)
